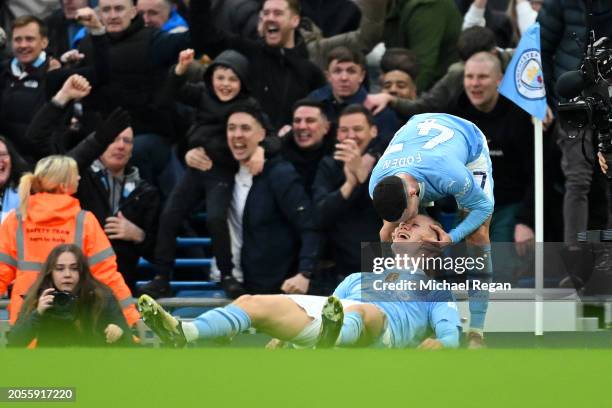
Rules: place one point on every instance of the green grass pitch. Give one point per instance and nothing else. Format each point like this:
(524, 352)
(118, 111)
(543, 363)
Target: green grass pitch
(243, 377)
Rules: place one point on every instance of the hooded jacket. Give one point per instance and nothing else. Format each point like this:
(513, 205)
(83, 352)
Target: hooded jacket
(279, 76)
(54, 219)
(208, 131)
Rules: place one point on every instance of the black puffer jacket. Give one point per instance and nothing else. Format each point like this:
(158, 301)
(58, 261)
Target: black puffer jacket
(559, 19)
(20, 98)
(279, 76)
(138, 57)
(208, 131)
(306, 162)
(237, 16)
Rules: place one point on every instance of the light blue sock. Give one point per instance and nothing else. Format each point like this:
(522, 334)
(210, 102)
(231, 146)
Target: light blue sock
(222, 322)
(352, 326)
(479, 299)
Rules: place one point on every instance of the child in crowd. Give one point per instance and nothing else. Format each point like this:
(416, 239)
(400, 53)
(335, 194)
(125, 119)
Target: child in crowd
(211, 166)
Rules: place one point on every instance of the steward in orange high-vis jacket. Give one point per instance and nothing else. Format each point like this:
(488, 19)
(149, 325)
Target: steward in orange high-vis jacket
(52, 217)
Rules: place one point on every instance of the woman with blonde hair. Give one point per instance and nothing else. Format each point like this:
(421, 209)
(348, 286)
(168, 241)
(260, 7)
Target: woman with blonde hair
(48, 215)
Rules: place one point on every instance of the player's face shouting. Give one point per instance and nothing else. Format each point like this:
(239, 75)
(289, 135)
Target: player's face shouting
(414, 230)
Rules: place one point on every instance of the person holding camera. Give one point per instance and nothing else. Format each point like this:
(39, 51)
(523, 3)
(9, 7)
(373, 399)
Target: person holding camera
(564, 32)
(48, 215)
(67, 306)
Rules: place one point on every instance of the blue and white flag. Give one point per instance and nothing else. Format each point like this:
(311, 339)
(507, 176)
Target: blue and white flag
(523, 81)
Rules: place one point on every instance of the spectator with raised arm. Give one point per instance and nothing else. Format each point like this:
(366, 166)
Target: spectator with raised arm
(139, 59)
(340, 192)
(123, 203)
(497, 21)
(48, 215)
(211, 166)
(280, 70)
(63, 26)
(447, 89)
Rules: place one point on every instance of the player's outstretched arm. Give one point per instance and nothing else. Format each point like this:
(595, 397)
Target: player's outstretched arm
(431, 344)
(447, 334)
(469, 195)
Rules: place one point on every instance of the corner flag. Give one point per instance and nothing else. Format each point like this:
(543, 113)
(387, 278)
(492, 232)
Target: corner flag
(523, 81)
(523, 84)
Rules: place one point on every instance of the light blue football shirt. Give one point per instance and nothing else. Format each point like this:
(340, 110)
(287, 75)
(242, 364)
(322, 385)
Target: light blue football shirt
(435, 149)
(411, 315)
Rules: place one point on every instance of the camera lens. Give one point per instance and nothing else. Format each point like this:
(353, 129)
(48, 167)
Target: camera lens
(61, 299)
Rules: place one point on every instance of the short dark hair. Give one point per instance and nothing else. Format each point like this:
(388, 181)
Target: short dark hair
(474, 40)
(346, 54)
(252, 108)
(294, 6)
(310, 103)
(400, 59)
(389, 198)
(358, 108)
(27, 19)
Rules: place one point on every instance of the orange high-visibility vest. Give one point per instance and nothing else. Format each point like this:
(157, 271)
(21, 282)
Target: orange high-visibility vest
(54, 219)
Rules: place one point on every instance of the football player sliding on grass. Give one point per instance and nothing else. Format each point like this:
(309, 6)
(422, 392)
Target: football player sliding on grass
(359, 313)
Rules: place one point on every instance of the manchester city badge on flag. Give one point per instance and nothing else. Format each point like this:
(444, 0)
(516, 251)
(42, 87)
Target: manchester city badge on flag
(523, 81)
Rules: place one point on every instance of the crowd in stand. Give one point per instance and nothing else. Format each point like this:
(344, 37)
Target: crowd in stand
(266, 114)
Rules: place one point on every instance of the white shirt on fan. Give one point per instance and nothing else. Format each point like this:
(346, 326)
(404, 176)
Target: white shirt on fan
(243, 181)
